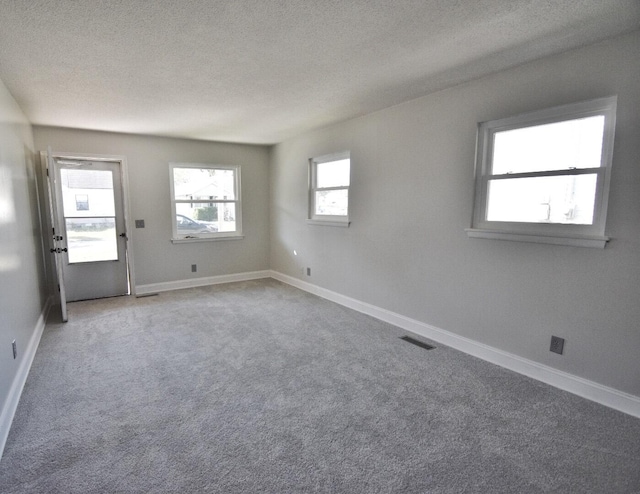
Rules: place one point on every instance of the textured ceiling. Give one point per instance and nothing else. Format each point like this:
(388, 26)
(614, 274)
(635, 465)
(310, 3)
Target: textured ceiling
(260, 71)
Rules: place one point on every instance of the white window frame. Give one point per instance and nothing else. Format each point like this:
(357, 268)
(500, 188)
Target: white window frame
(200, 237)
(591, 235)
(325, 219)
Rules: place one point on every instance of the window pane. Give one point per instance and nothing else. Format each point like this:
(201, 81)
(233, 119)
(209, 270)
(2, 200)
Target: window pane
(555, 146)
(82, 202)
(196, 218)
(87, 192)
(203, 183)
(201, 218)
(333, 174)
(332, 202)
(227, 217)
(91, 239)
(561, 199)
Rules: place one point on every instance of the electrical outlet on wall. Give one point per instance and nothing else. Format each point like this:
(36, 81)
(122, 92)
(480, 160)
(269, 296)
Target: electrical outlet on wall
(557, 345)
(194, 268)
(308, 271)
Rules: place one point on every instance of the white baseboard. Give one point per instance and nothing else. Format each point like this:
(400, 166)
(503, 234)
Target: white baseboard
(604, 395)
(196, 282)
(11, 405)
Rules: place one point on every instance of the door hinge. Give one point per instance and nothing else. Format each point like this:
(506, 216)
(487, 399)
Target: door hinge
(58, 286)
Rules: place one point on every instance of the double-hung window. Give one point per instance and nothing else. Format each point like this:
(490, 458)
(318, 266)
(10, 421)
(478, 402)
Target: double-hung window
(544, 176)
(329, 181)
(205, 201)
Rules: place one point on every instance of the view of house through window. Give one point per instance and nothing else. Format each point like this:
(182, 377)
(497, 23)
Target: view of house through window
(205, 201)
(89, 215)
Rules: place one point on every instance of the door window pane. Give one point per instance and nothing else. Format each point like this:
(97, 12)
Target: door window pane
(82, 202)
(91, 239)
(87, 193)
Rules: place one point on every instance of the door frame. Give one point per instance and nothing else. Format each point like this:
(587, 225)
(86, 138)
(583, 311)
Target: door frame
(124, 179)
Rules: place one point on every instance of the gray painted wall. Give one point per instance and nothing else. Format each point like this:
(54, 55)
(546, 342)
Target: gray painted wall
(22, 280)
(411, 199)
(156, 258)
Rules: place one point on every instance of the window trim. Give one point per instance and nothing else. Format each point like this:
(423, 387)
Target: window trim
(592, 235)
(326, 219)
(213, 236)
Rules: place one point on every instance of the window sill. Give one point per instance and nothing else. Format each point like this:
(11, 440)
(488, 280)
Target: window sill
(593, 241)
(205, 239)
(344, 224)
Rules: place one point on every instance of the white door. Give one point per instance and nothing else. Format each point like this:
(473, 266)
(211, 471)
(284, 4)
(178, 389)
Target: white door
(90, 210)
(57, 243)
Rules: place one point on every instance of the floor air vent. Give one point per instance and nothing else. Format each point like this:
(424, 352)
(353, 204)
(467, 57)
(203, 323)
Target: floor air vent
(417, 343)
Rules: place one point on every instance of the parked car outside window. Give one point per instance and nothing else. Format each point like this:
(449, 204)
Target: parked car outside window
(187, 226)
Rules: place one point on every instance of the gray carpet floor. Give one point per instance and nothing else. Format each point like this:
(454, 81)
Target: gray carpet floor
(257, 387)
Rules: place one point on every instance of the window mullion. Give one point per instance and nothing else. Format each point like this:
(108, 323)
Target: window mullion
(320, 189)
(549, 173)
